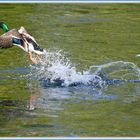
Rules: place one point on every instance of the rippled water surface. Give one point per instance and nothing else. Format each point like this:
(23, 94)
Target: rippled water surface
(87, 84)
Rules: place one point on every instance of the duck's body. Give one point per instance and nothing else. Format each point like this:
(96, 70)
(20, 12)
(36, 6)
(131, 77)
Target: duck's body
(6, 40)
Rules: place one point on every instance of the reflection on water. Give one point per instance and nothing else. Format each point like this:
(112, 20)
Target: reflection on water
(52, 98)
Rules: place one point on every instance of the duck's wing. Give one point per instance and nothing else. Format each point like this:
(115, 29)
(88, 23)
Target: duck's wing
(24, 33)
(17, 41)
(30, 41)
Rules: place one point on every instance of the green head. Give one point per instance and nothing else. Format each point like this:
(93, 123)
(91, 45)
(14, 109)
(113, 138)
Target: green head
(4, 26)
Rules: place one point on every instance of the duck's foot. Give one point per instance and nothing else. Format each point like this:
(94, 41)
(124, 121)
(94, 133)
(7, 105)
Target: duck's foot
(34, 60)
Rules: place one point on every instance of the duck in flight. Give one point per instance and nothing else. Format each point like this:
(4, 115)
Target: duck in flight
(20, 38)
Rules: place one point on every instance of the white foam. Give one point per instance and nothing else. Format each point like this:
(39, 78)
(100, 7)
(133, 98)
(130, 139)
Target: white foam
(55, 65)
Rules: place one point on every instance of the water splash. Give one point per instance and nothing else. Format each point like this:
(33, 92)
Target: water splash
(56, 69)
(118, 69)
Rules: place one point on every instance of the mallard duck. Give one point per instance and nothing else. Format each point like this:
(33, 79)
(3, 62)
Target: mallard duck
(20, 38)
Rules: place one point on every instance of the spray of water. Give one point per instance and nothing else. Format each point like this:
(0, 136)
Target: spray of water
(56, 67)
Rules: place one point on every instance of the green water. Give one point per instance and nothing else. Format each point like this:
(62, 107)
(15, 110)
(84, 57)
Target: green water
(90, 34)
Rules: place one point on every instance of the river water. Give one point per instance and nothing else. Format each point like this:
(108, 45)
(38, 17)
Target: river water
(86, 85)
